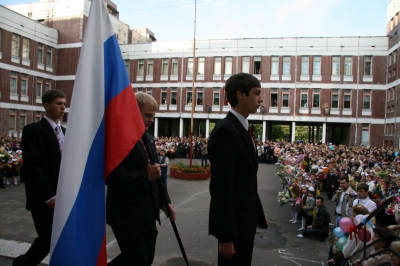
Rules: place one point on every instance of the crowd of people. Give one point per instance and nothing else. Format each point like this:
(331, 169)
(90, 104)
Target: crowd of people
(358, 180)
(10, 160)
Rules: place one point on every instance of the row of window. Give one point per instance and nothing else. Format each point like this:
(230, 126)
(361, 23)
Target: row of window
(306, 62)
(42, 84)
(44, 53)
(170, 97)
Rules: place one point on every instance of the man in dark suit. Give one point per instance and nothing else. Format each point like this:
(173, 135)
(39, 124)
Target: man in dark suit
(133, 199)
(235, 208)
(43, 143)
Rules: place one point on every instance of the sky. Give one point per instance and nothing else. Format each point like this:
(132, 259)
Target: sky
(173, 20)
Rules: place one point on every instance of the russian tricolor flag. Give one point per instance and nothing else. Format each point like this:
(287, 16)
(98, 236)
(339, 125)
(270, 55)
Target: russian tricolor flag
(103, 126)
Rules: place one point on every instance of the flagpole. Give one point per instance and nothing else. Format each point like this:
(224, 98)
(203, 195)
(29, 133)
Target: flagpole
(193, 89)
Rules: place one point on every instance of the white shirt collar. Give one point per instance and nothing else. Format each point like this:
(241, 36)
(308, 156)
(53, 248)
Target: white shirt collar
(52, 123)
(241, 119)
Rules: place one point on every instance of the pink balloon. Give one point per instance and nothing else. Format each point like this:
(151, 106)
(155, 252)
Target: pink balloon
(361, 235)
(345, 223)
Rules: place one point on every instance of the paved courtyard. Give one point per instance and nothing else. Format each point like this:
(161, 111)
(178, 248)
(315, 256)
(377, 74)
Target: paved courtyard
(278, 245)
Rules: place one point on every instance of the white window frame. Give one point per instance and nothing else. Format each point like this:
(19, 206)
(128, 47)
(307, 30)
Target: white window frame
(348, 65)
(274, 65)
(150, 67)
(305, 65)
(286, 65)
(335, 65)
(317, 65)
(26, 48)
(246, 64)
(217, 65)
(15, 45)
(140, 67)
(13, 82)
(228, 65)
(367, 61)
(164, 68)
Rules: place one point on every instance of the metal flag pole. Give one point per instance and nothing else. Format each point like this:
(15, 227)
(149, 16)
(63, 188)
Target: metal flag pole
(165, 201)
(193, 89)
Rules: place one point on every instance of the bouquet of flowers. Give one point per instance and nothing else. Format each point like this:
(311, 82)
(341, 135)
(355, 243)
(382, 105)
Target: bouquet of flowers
(283, 197)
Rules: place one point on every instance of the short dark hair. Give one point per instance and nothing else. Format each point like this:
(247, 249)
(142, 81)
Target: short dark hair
(242, 82)
(344, 178)
(363, 186)
(320, 198)
(51, 95)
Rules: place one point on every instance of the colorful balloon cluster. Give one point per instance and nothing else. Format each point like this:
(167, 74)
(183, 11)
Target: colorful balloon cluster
(345, 225)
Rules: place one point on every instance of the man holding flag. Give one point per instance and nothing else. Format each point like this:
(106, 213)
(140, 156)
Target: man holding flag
(133, 199)
(43, 145)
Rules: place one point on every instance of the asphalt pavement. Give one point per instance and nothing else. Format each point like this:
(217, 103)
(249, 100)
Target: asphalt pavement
(278, 245)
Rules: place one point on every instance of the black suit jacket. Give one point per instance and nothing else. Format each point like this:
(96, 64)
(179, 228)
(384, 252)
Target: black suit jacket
(42, 158)
(235, 208)
(133, 200)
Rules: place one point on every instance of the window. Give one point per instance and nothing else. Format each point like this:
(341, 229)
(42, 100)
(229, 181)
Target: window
(285, 98)
(22, 119)
(274, 65)
(47, 87)
(216, 96)
(200, 65)
(24, 84)
(149, 91)
(163, 95)
(38, 116)
(394, 56)
(141, 67)
(174, 66)
(246, 64)
(316, 96)
(393, 92)
(49, 56)
(40, 53)
(127, 66)
(164, 66)
(38, 87)
(217, 65)
(150, 67)
(26, 48)
(335, 99)
(173, 96)
(15, 45)
(336, 65)
(228, 65)
(317, 65)
(257, 65)
(274, 97)
(199, 96)
(189, 96)
(12, 121)
(13, 82)
(348, 65)
(365, 133)
(347, 99)
(190, 66)
(367, 65)
(304, 65)
(226, 102)
(304, 98)
(65, 118)
(367, 99)
(286, 65)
